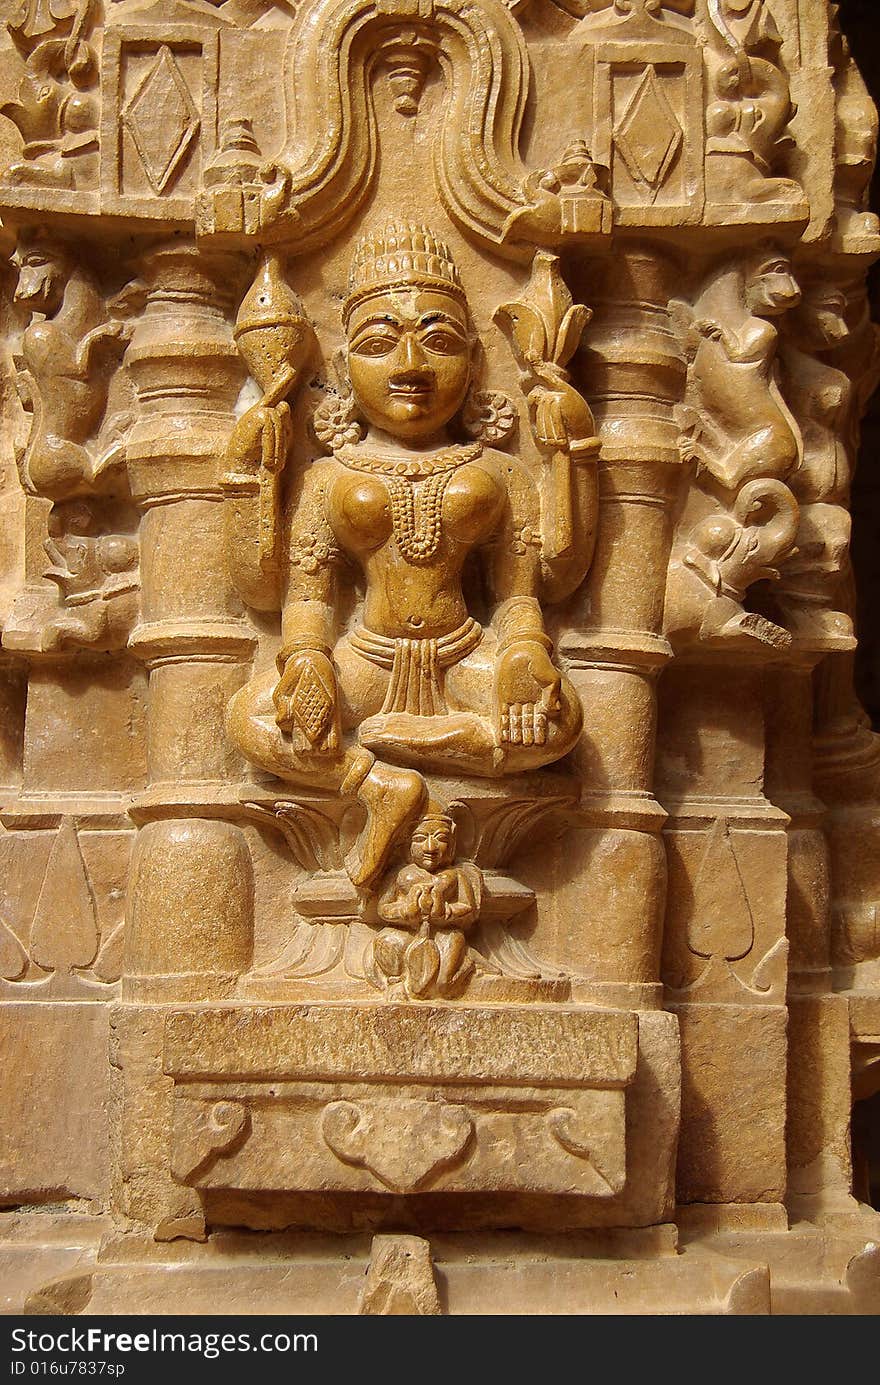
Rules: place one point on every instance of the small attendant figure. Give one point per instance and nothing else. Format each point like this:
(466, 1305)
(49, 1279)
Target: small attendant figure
(436, 900)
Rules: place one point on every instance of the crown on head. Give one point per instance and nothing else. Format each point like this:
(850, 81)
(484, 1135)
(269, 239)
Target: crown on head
(434, 814)
(401, 255)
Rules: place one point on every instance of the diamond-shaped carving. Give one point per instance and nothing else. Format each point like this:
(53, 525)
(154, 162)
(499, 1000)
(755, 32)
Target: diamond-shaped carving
(648, 134)
(161, 119)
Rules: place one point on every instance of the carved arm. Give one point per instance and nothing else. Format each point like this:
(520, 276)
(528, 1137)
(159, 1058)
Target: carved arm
(545, 328)
(305, 696)
(250, 488)
(114, 331)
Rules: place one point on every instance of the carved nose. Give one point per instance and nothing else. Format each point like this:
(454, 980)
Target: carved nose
(413, 356)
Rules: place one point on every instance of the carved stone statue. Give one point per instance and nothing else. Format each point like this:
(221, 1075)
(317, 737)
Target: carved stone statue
(746, 122)
(822, 397)
(742, 436)
(97, 580)
(431, 904)
(855, 142)
(63, 371)
(56, 113)
(418, 682)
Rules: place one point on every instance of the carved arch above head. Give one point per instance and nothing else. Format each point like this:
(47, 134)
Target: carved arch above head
(326, 169)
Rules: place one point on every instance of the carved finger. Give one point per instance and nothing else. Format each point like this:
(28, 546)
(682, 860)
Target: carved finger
(528, 723)
(540, 727)
(283, 712)
(551, 699)
(516, 723)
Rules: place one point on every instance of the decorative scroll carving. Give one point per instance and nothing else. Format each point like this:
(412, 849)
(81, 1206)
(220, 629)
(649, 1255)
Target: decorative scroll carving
(406, 1144)
(546, 1081)
(56, 112)
(203, 1131)
(322, 176)
(745, 443)
(718, 946)
(64, 954)
(576, 1131)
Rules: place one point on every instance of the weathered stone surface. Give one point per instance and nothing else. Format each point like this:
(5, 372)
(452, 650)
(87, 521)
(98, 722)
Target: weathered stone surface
(55, 1145)
(400, 1279)
(433, 799)
(732, 1146)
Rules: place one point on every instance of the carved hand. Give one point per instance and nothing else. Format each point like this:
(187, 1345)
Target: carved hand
(527, 686)
(562, 415)
(306, 700)
(261, 437)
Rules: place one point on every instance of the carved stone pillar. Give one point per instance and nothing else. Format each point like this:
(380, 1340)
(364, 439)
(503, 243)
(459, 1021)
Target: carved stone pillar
(192, 636)
(190, 897)
(817, 1125)
(632, 373)
(724, 949)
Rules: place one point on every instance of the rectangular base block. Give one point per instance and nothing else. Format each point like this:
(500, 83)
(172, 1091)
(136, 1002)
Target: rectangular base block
(401, 1098)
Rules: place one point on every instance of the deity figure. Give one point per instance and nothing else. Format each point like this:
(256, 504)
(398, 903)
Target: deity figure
(365, 699)
(430, 904)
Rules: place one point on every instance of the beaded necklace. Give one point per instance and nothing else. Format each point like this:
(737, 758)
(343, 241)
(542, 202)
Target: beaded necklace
(415, 514)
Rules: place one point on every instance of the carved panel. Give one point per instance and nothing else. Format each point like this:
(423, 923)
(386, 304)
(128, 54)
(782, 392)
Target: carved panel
(149, 166)
(649, 128)
(437, 1092)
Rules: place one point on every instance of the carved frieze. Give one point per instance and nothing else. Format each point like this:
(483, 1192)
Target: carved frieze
(436, 1090)
(424, 502)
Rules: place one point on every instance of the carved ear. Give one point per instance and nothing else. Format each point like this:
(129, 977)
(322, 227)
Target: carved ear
(465, 827)
(129, 301)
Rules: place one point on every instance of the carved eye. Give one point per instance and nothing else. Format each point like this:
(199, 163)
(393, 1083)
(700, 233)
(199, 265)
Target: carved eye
(441, 343)
(377, 345)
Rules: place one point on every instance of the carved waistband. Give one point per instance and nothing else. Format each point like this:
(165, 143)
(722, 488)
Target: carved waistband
(415, 665)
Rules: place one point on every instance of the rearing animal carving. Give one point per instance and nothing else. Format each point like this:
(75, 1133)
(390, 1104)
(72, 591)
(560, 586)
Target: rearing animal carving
(63, 380)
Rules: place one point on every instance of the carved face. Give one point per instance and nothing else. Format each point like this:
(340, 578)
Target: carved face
(433, 844)
(409, 360)
(773, 289)
(823, 315)
(40, 280)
